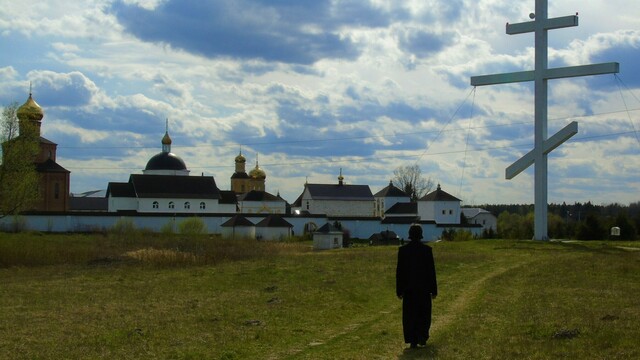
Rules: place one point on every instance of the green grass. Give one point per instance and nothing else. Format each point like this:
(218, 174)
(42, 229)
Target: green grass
(82, 297)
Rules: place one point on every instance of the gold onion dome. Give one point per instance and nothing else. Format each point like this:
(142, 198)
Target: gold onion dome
(240, 158)
(166, 139)
(257, 173)
(30, 110)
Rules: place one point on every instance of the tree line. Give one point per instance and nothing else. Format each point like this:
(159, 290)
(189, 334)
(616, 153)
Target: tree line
(579, 221)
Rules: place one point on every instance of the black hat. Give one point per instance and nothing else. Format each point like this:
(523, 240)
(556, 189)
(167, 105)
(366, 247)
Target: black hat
(415, 232)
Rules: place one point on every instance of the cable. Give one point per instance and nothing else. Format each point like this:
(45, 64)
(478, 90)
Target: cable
(625, 106)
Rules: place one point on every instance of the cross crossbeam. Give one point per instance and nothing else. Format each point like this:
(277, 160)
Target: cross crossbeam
(543, 145)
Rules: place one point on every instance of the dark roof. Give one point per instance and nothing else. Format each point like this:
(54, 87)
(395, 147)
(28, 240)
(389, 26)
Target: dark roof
(403, 208)
(385, 235)
(328, 228)
(257, 195)
(439, 195)
(298, 202)
(274, 221)
(339, 192)
(165, 161)
(400, 220)
(391, 191)
(473, 212)
(237, 220)
(50, 166)
(46, 141)
(227, 197)
(88, 203)
(171, 186)
(240, 175)
(118, 189)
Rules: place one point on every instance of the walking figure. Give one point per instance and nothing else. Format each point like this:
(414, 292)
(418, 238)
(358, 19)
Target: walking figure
(416, 285)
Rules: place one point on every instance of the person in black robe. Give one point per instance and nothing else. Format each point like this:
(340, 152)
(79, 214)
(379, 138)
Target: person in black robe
(416, 285)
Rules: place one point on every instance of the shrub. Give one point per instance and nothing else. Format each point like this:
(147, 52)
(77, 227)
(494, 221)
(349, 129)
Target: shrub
(124, 227)
(168, 228)
(192, 226)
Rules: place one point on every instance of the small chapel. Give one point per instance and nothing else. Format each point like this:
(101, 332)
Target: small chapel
(53, 179)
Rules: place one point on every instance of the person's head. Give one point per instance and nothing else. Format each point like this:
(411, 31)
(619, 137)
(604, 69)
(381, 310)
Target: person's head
(415, 232)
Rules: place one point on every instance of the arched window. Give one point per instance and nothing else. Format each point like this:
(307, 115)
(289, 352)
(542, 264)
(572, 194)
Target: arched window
(156, 205)
(203, 206)
(187, 205)
(172, 205)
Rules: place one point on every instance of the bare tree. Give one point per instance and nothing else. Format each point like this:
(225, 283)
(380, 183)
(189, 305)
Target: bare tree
(18, 175)
(411, 181)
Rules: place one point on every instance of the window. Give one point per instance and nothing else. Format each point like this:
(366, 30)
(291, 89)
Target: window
(187, 205)
(172, 205)
(203, 206)
(450, 212)
(56, 191)
(444, 212)
(156, 205)
(307, 204)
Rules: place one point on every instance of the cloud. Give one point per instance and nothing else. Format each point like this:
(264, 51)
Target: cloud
(284, 31)
(423, 43)
(60, 89)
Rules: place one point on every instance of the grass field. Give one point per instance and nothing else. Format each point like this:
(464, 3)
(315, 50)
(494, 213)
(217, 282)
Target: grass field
(92, 297)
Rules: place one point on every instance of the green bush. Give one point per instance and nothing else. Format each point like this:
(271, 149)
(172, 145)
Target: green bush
(124, 227)
(192, 226)
(168, 228)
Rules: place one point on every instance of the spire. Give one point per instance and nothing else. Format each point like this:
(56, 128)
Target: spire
(340, 178)
(166, 139)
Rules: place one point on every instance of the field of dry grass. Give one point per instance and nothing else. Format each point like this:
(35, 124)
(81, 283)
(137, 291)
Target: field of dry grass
(171, 297)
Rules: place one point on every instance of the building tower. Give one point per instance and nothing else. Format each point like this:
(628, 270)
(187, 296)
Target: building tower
(240, 178)
(257, 177)
(53, 185)
(166, 162)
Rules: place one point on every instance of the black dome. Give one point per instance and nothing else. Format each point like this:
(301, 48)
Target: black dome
(166, 161)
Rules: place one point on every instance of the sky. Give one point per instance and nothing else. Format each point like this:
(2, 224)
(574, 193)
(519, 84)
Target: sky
(312, 88)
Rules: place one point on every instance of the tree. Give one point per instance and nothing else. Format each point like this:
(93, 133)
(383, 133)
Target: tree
(18, 175)
(411, 181)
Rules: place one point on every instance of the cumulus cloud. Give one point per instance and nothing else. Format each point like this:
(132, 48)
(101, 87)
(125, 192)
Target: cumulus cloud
(286, 31)
(62, 89)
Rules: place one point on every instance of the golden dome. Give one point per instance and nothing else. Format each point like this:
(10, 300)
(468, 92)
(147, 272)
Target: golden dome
(240, 158)
(166, 139)
(30, 110)
(257, 173)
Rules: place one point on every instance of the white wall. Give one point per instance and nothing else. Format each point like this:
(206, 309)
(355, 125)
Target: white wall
(262, 207)
(272, 233)
(355, 208)
(443, 212)
(326, 241)
(83, 222)
(239, 232)
(211, 205)
(487, 220)
(119, 203)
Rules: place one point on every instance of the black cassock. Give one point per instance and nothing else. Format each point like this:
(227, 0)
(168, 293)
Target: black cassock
(416, 282)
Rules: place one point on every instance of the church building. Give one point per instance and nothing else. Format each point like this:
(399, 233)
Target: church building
(336, 200)
(53, 179)
(166, 187)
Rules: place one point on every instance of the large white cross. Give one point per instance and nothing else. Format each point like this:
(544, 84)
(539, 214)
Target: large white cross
(543, 145)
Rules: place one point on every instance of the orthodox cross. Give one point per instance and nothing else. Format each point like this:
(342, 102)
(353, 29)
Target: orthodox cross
(542, 145)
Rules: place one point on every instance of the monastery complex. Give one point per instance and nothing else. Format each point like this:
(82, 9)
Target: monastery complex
(166, 193)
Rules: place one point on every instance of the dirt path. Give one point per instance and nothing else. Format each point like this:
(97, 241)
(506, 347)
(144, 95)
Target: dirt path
(449, 313)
